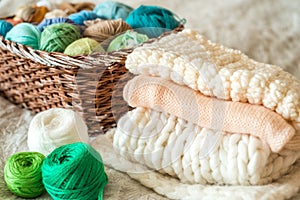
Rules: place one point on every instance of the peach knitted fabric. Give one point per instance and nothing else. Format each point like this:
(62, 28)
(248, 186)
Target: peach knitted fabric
(235, 117)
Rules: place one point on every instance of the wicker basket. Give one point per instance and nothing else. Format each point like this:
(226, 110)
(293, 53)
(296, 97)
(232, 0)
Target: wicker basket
(38, 80)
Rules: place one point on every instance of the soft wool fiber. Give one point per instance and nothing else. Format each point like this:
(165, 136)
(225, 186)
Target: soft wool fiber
(26, 34)
(82, 16)
(74, 171)
(127, 40)
(112, 10)
(152, 20)
(55, 127)
(56, 37)
(83, 46)
(5, 27)
(23, 174)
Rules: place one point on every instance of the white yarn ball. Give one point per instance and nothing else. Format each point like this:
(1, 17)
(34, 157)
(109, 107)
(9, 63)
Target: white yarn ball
(56, 127)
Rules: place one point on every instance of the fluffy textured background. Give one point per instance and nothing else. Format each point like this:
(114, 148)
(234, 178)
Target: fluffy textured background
(268, 31)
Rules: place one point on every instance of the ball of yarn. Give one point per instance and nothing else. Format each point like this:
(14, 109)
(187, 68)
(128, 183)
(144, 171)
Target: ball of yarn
(127, 40)
(82, 16)
(55, 127)
(83, 46)
(56, 37)
(112, 10)
(31, 13)
(5, 27)
(23, 174)
(26, 34)
(55, 14)
(47, 22)
(104, 30)
(74, 171)
(152, 20)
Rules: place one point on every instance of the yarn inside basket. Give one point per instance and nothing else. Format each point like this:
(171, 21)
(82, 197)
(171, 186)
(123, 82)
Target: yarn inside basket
(23, 174)
(83, 46)
(127, 40)
(56, 37)
(26, 34)
(74, 171)
(82, 16)
(104, 30)
(58, 20)
(5, 27)
(152, 20)
(112, 10)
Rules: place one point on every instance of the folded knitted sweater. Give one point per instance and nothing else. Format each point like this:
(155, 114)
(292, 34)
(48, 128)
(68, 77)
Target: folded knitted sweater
(213, 117)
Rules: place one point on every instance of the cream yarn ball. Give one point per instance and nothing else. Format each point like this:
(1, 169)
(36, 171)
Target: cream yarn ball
(55, 127)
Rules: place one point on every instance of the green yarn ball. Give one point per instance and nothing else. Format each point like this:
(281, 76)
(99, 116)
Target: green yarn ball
(56, 37)
(83, 46)
(26, 34)
(74, 171)
(23, 174)
(127, 40)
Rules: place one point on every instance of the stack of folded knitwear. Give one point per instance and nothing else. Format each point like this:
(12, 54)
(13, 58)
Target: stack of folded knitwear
(207, 114)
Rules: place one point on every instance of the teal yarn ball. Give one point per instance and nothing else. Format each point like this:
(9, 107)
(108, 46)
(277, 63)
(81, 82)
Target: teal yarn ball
(5, 27)
(56, 37)
(127, 40)
(112, 10)
(83, 46)
(82, 16)
(26, 34)
(74, 171)
(23, 174)
(152, 20)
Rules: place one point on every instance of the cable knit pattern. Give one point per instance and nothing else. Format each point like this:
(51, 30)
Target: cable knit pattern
(148, 137)
(218, 71)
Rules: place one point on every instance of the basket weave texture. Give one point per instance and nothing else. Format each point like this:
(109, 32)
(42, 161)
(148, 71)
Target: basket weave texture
(91, 85)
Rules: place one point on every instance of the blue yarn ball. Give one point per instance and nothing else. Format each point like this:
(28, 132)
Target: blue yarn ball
(82, 16)
(152, 20)
(5, 27)
(112, 10)
(26, 34)
(58, 20)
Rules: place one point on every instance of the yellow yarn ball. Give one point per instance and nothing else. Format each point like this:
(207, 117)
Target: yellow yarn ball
(83, 46)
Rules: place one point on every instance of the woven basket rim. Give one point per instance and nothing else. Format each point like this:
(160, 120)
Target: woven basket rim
(72, 62)
(61, 59)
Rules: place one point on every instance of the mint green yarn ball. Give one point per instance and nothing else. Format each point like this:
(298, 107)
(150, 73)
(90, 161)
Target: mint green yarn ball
(127, 40)
(56, 37)
(26, 34)
(74, 171)
(83, 46)
(23, 174)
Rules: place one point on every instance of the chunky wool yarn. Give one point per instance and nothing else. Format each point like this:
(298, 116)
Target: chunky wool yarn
(25, 33)
(104, 30)
(152, 20)
(83, 46)
(23, 174)
(56, 37)
(82, 16)
(74, 171)
(5, 27)
(127, 40)
(112, 10)
(55, 127)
